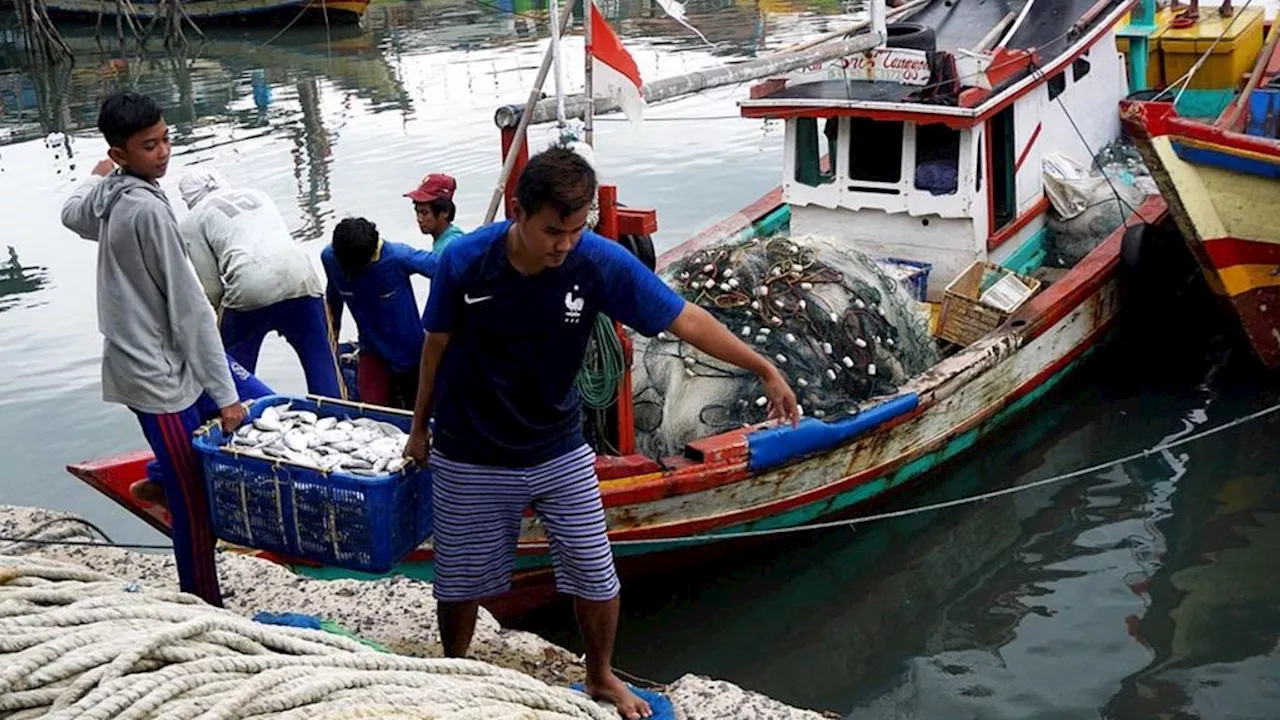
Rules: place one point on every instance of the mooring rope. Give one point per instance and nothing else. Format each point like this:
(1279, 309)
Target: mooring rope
(78, 644)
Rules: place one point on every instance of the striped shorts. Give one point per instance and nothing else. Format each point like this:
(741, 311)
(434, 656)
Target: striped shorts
(477, 525)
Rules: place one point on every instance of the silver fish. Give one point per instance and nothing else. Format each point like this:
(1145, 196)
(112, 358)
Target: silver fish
(268, 424)
(331, 437)
(305, 417)
(362, 446)
(296, 440)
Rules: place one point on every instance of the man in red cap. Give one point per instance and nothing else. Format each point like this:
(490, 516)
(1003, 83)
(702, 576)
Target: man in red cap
(433, 203)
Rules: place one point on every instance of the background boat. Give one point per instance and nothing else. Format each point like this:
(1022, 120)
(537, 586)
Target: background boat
(232, 12)
(1221, 177)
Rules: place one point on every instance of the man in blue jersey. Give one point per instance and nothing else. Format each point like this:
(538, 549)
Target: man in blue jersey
(507, 322)
(372, 278)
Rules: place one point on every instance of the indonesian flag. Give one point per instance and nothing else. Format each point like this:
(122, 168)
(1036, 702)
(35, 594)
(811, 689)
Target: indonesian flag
(614, 71)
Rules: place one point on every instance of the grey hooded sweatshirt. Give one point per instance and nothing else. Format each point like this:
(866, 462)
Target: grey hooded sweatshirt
(161, 346)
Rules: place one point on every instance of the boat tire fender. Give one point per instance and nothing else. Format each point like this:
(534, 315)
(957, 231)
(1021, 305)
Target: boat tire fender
(911, 35)
(642, 247)
(1131, 245)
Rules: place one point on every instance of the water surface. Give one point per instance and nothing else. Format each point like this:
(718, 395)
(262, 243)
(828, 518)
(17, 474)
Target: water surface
(1143, 591)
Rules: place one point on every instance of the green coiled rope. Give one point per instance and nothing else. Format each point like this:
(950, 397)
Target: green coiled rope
(602, 366)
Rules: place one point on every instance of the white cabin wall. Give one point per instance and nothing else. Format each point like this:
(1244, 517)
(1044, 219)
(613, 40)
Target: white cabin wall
(895, 235)
(1028, 141)
(977, 184)
(1104, 86)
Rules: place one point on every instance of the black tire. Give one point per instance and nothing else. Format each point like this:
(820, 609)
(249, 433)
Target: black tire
(1147, 95)
(1131, 245)
(911, 35)
(642, 247)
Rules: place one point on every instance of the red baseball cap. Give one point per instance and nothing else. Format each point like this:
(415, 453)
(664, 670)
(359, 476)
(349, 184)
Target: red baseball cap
(436, 186)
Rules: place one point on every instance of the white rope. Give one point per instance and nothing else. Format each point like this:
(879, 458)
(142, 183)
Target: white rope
(76, 644)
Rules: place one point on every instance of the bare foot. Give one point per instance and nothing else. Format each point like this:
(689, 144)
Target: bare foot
(611, 689)
(150, 493)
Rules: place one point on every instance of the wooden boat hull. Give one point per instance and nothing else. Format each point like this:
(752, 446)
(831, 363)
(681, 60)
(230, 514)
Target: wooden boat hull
(220, 12)
(1223, 190)
(758, 479)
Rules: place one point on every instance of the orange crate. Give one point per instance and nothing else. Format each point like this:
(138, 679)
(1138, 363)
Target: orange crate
(965, 318)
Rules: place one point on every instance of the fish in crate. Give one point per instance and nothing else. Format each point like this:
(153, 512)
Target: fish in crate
(319, 480)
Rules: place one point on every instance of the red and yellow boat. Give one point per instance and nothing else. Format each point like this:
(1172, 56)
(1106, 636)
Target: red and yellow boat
(1221, 180)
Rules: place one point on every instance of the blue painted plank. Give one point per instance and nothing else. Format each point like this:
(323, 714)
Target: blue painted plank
(780, 445)
(1227, 161)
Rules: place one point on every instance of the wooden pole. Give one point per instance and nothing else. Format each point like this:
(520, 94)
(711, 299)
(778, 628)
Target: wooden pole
(681, 85)
(588, 119)
(1228, 119)
(994, 34)
(1022, 16)
(522, 123)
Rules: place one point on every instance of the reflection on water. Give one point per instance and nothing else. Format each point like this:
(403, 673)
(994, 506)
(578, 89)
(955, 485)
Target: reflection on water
(17, 280)
(1144, 591)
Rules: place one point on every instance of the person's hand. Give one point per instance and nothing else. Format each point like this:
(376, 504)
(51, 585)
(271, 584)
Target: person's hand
(231, 417)
(782, 400)
(104, 167)
(417, 446)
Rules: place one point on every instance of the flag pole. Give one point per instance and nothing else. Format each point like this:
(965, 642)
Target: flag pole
(513, 153)
(588, 117)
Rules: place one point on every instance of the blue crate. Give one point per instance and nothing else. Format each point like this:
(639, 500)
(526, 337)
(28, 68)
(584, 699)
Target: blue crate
(916, 280)
(338, 519)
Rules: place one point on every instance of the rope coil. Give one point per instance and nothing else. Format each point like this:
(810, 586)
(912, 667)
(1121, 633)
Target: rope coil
(79, 644)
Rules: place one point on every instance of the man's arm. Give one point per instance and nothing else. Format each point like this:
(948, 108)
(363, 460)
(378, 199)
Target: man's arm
(438, 320)
(419, 432)
(332, 296)
(77, 215)
(697, 327)
(423, 262)
(203, 258)
(192, 322)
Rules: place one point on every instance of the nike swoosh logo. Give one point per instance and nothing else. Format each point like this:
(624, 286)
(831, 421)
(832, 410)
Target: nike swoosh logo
(472, 301)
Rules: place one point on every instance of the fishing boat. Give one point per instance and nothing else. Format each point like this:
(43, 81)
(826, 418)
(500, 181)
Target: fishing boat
(215, 12)
(1005, 91)
(1219, 166)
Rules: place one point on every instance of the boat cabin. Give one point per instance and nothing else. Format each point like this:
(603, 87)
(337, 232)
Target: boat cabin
(917, 153)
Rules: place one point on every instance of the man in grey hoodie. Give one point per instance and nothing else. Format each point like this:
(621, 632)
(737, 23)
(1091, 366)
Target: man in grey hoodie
(161, 355)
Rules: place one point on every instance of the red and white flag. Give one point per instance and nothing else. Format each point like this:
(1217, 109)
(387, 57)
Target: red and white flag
(614, 71)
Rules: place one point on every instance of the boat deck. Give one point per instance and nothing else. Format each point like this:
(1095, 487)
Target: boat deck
(962, 24)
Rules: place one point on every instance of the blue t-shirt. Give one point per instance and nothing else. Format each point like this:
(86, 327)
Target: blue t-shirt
(505, 392)
(382, 301)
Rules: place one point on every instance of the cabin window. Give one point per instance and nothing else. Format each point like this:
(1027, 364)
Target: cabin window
(1080, 67)
(875, 150)
(1057, 84)
(982, 160)
(937, 159)
(1003, 190)
(809, 167)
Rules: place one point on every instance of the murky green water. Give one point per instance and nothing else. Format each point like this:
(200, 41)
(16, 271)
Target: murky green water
(1143, 591)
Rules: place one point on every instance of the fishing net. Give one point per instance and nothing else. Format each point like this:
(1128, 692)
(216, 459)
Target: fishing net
(839, 325)
(1114, 186)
